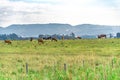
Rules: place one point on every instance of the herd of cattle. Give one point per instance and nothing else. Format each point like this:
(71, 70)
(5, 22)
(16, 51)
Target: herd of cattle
(41, 40)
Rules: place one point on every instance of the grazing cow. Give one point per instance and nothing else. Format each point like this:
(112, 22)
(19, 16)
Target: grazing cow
(40, 41)
(44, 38)
(47, 38)
(102, 36)
(8, 41)
(31, 39)
(53, 39)
(79, 37)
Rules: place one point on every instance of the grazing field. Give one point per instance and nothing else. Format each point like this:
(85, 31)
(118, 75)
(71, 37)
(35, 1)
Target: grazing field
(84, 59)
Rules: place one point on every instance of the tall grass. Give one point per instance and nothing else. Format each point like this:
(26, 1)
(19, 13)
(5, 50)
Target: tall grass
(85, 59)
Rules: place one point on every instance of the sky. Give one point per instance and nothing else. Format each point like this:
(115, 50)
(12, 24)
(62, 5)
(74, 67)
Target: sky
(74, 12)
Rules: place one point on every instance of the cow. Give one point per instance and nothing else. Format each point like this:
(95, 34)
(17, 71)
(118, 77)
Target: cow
(79, 37)
(46, 38)
(40, 41)
(53, 39)
(31, 39)
(102, 36)
(8, 41)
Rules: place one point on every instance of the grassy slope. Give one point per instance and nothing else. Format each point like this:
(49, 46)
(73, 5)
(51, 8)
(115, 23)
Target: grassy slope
(46, 60)
(84, 46)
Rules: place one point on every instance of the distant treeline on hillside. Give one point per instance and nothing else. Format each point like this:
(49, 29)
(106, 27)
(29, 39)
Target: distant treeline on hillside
(58, 36)
(12, 36)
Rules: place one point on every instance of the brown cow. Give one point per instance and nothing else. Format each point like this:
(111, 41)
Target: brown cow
(102, 36)
(79, 37)
(40, 41)
(8, 41)
(53, 39)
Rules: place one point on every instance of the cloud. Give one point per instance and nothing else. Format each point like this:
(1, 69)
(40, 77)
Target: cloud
(88, 11)
(104, 12)
(16, 11)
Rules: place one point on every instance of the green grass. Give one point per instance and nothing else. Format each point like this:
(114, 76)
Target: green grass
(86, 59)
(84, 46)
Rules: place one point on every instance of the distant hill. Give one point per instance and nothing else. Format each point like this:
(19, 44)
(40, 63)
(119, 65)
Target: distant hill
(34, 30)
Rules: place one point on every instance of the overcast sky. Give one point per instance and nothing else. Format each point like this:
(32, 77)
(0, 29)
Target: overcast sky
(74, 12)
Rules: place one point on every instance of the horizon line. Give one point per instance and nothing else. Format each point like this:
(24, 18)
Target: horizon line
(58, 23)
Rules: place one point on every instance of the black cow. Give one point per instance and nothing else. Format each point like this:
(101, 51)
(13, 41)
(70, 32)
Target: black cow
(53, 39)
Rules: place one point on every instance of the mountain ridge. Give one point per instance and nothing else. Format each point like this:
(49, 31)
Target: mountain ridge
(34, 30)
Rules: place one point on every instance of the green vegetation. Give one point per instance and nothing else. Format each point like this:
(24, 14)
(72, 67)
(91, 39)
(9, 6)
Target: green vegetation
(85, 59)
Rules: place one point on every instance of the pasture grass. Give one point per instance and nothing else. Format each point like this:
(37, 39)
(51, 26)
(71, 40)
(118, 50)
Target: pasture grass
(84, 46)
(85, 59)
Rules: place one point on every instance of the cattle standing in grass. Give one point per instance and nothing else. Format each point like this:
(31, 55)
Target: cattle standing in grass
(8, 41)
(40, 41)
(79, 37)
(47, 38)
(102, 36)
(31, 39)
(53, 39)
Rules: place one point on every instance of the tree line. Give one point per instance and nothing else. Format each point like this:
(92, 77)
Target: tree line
(14, 36)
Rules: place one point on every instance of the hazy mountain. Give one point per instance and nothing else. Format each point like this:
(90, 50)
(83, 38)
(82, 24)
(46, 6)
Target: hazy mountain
(54, 28)
(89, 29)
(36, 29)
